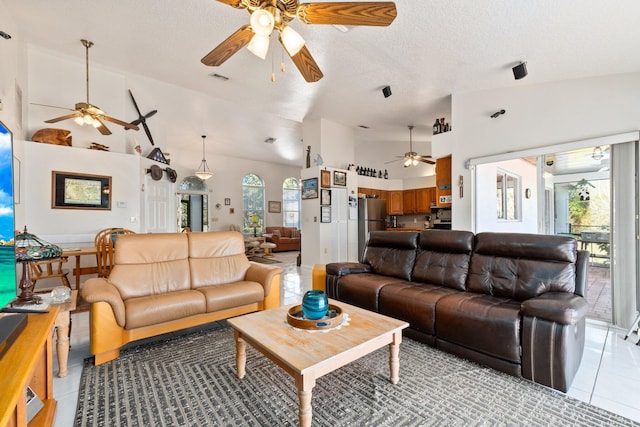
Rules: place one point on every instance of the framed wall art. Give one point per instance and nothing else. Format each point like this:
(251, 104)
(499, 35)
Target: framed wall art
(325, 197)
(340, 178)
(71, 190)
(275, 207)
(325, 213)
(325, 179)
(310, 188)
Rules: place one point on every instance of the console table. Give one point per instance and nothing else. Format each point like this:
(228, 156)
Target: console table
(29, 363)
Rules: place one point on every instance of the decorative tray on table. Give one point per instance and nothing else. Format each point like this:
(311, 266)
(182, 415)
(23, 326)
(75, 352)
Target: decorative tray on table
(297, 319)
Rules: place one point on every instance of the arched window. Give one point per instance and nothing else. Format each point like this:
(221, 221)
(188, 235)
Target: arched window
(252, 204)
(291, 203)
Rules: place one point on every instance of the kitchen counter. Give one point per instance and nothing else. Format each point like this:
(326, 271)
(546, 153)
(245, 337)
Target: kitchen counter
(405, 229)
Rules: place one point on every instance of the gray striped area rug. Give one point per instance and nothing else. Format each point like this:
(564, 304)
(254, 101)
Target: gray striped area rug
(191, 380)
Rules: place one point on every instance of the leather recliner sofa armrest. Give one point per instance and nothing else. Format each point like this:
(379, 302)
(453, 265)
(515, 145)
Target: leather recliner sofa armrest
(344, 268)
(99, 289)
(560, 307)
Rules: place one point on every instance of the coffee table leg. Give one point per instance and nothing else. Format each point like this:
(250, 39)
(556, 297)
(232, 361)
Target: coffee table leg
(394, 359)
(305, 384)
(241, 355)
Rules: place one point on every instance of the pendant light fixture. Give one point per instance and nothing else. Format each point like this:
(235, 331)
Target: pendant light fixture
(203, 171)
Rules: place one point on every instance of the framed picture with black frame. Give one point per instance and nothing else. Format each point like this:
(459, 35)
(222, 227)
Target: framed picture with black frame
(310, 188)
(70, 190)
(340, 178)
(325, 213)
(325, 197)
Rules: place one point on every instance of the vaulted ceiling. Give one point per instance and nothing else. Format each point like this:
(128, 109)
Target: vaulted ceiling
(432, 50)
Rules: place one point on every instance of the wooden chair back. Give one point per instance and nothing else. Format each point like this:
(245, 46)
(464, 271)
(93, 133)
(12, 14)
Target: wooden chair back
(49, 268)
(105, 242)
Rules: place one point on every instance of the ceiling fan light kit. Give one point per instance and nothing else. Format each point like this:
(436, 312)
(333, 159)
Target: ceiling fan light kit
(411, 158)
(267, 15)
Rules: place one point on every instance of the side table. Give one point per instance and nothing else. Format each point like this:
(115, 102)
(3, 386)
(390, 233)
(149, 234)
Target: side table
(63, 330)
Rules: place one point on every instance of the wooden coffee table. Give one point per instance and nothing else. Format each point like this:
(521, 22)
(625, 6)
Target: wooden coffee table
(306, 356)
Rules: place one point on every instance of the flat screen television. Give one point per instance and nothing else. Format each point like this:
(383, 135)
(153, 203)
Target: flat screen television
(8, 286)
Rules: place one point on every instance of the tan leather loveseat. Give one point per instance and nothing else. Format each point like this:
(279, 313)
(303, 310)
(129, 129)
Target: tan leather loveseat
(170, 281)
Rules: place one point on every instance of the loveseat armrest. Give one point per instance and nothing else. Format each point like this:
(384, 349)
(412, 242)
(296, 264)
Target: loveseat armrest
(269, 277)
(344, 268)
(560, 307)
(100, 290)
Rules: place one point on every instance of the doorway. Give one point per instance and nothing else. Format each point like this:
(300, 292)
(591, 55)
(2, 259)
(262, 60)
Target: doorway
(562, 192)
(193, 205)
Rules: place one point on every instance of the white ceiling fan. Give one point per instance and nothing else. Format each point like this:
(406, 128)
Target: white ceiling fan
(411, 158)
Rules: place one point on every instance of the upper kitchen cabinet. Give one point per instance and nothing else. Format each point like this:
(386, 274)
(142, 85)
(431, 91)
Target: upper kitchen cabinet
(394, 202)
(443, 182)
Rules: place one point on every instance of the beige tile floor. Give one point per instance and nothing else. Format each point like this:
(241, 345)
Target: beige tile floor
(609, 375)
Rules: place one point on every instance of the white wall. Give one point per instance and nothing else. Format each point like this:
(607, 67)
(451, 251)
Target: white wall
(536, 116)
(78, 225)
(486, 197)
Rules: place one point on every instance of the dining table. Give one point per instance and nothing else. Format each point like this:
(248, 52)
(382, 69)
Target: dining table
(78, 253)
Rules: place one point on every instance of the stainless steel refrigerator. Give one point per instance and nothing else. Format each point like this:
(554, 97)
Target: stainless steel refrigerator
(372, 215)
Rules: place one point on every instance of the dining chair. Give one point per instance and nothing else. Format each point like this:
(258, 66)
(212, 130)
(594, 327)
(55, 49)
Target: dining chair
(105, 243)
(48, 269)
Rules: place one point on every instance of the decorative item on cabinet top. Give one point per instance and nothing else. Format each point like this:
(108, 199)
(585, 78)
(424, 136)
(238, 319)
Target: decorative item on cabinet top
(156, 154)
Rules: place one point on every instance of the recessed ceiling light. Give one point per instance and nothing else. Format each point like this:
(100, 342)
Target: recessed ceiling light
(219, 76)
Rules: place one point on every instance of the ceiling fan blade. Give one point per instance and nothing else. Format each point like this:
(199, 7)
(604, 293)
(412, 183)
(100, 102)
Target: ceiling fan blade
(52, 106)
(238, 4)
(307, 65)
(392, 161)
(136, 122)
(227, 48)
(102, 128)
(348, 13)
(423, 160)
(148, 132)
(59, 119)
(121, 123)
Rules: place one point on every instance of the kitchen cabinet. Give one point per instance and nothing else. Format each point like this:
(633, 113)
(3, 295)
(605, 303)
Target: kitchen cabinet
(394, 203)
(443, 182)
(424, 198)
(409, 202)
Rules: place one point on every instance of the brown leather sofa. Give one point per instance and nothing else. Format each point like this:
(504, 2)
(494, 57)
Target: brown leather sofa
(285, 238)
(170, 281)
(514, 302)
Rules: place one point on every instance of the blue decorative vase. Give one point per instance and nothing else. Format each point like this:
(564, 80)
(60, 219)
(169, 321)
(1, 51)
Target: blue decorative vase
(315, 304)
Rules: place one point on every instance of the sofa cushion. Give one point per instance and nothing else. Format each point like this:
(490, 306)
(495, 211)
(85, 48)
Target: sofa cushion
(413, 302)
(231, 295)
(155, 309)
(481, 323)
(522, 266)
(151, 264)
(443, 258)
(362, 290)
(276, 233)
(391, 253)
(217, 258)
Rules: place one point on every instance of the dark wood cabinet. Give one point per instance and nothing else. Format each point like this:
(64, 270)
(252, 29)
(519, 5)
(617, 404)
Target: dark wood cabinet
(409, 202)
(394, 202)
(443, 181)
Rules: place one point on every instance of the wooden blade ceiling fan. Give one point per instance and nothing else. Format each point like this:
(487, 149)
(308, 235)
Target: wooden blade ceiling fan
(411, 158)
(267, 15)
(86, 113)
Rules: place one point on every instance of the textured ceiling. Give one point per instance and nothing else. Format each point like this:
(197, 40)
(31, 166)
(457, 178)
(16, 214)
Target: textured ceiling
(432, 50)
